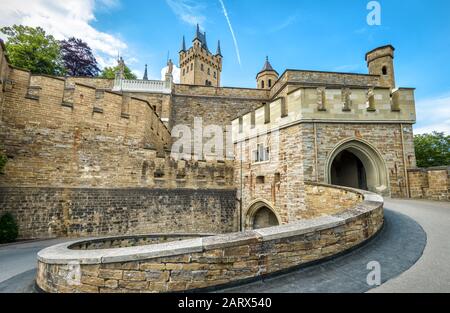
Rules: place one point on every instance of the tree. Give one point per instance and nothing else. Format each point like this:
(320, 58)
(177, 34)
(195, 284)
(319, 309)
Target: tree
(110, 73)
(432, 149)
(78, 58)
(32, 49)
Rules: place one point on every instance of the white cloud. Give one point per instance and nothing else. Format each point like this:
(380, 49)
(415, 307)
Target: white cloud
(188, 11)
(64, 19)
(433, 115)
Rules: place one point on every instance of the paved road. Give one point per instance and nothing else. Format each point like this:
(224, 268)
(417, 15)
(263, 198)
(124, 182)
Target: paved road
(20, 259)
(398, 249)
(432, 272)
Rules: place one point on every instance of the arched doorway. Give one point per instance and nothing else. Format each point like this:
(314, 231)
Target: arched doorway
(355, 163)
(348, 170)
(261, 215)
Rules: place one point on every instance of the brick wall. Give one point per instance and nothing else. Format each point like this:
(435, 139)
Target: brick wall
(70, 212)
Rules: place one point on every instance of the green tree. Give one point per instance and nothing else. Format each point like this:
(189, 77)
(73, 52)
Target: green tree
(432, 149)
(110, 73)
(32, 49)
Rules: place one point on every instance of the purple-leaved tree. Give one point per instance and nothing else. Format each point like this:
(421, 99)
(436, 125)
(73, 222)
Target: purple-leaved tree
(78, 58)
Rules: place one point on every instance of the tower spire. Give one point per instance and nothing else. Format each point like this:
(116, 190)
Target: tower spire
(145, 73)
(219, 51)
(183, 45)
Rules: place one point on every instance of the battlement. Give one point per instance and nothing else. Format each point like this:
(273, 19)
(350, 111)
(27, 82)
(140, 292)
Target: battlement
(328, 105)
(326, 79)
(80, 104)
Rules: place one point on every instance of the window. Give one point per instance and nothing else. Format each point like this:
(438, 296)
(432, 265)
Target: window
(261, 154)
(284, 110)
(209, 72)
(266, 113)
(260, 179)
(241, 124)
(262, 84)
(201, 67)
(184, 72)
(385, 71)
(270, 83)
(192, 66)
(215, 74)
(253, 119)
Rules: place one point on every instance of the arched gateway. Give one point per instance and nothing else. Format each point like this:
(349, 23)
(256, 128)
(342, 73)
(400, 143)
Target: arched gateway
(261, 215)
(355, 163)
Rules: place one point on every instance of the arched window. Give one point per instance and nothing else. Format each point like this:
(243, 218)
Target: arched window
(215, 75)
(270, 83)
(384, 70)
(262, 84)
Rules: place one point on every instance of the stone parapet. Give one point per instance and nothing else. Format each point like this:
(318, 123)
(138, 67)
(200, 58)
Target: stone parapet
(430, 183)
(209, 262)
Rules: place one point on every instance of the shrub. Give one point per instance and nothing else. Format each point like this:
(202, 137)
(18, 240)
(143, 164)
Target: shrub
(8, 228)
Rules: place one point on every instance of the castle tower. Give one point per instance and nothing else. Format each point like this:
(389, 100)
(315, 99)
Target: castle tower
(198, 65)
(267, 77)
(380, 61)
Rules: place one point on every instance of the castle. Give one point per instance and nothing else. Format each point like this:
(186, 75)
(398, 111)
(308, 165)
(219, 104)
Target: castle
(91, 156)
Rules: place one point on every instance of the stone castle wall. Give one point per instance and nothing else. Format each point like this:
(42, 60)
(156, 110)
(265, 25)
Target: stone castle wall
(43, 212)
(75, 136)
(431, 183)
(213, 261)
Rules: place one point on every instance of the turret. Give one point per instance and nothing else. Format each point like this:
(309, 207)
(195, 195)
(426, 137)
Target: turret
(267, 77)
(380, 61)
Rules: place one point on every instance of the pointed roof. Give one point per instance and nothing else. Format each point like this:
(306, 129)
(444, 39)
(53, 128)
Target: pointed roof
(219, 51)
(145, 73)
(201, 37)
(267, 67)
(183, 45)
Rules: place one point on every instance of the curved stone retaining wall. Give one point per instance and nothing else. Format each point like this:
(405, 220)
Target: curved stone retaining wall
(209, 261)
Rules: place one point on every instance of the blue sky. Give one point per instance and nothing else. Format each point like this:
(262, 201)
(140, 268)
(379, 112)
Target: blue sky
(330, 35)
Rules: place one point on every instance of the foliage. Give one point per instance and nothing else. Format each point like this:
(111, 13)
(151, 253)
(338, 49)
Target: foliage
(9, 231)
(110, 73)
(78, 58)
(432, 149)
(32, 49)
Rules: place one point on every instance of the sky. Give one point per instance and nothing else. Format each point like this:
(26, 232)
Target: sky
(327, 35)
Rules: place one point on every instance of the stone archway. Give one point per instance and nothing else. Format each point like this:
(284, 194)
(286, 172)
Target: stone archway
(355, 163)
(261, 215)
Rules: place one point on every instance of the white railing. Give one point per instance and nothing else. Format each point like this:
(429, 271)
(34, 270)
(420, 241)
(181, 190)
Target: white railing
(138, 85)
